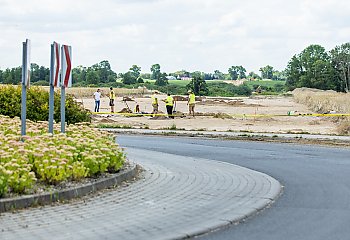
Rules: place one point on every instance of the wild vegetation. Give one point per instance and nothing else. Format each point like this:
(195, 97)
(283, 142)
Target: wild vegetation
(326, 102)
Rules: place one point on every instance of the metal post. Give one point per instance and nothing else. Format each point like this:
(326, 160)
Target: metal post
(24, 91)
(63, 109)
(52, 90)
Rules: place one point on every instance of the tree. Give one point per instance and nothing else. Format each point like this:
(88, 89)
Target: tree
(253, 76)
(129, 78)
(233, 71)
(340, 59)
(311, 68)
(198, 85)
(12, 76)
(79, 74)
(241, 72)
(279, 75)
(135, 70)
(140, 80)
(219, 75)
(266, 72)
(162, 80)
(155, 69)
(91, 76)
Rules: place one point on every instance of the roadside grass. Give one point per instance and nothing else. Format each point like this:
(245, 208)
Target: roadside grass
(114, 125)
(326, 102)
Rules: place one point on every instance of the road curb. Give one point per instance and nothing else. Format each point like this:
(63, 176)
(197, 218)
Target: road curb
(331, 140)
(8, 204)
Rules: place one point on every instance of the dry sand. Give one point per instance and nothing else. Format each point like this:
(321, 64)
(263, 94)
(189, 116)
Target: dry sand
(253, 105)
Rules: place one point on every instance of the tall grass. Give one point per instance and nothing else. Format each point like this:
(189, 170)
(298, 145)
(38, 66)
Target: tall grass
(323, 101)
(326, 101)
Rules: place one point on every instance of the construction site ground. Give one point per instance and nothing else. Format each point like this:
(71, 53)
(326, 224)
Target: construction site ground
(221, 114)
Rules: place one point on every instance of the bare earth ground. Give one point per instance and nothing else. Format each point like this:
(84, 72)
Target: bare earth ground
(254, 105)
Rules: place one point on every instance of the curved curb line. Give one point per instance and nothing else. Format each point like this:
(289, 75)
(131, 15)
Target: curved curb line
(229, 218)
(227, 221)
(68, 194)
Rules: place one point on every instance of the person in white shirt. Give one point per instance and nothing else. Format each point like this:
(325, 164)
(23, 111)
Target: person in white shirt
(97, 97)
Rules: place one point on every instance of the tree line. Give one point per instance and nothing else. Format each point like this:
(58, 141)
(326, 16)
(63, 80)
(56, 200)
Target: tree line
(101, 73)
(314, 67)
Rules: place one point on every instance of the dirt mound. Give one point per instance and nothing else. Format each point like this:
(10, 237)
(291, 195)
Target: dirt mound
(159, 117)
(106, 120)
(126, 98)
(235, 103)
(180, 98)
(125, 110)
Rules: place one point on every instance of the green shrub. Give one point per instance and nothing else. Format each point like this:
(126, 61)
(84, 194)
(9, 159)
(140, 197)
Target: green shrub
(228, 90)
(38, 105)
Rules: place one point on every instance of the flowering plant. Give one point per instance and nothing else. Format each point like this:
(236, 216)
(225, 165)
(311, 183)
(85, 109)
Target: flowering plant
(53, 158)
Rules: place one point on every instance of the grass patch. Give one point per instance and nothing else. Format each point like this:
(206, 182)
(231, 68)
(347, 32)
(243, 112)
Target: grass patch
(323, 101)
(114, 125)
(344, 127)
(222, 116)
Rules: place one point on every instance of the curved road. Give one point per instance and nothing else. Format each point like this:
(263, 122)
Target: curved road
(316, 200)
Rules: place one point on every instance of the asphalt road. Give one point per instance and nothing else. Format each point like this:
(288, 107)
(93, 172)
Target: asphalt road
(316, 200)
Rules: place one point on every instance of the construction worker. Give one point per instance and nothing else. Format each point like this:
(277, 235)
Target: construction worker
(169, 104)
(137, 108)
(155, 102)
(191, 102)
(111, 99)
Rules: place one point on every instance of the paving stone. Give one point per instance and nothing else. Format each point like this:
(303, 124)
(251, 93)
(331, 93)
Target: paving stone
(176, 197)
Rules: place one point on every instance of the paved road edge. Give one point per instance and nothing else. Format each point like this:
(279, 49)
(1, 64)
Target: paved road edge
(275, 192)
(8, 204)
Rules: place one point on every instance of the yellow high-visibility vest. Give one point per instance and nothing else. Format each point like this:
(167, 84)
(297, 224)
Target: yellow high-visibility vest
(111, 95)
(169, 101)
(154, 100)
(192, 98)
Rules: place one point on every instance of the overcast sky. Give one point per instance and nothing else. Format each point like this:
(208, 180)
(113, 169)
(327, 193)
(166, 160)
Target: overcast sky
(202, 35)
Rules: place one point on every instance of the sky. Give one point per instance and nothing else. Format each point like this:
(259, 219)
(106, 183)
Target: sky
(194, 35)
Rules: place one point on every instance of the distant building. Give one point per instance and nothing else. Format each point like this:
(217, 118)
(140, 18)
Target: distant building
(171, 77)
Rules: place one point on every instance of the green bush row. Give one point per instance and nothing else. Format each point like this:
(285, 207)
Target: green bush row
(38, 105)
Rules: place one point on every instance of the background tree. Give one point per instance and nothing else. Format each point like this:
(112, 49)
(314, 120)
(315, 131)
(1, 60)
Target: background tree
(311, 68)
(253, 76)
(155, 69)
(92, 76)
(136, 71)
(79, 74)
(233, 71)
(198, 85)
(279, 75)
(241, 72)
(12, 76)
(266, 72)
(162, 80)
(219, 75)
(340, 59)
(129, 78)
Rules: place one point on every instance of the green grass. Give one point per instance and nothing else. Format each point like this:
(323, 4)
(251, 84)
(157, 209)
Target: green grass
(264, 83)
(181, 83)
